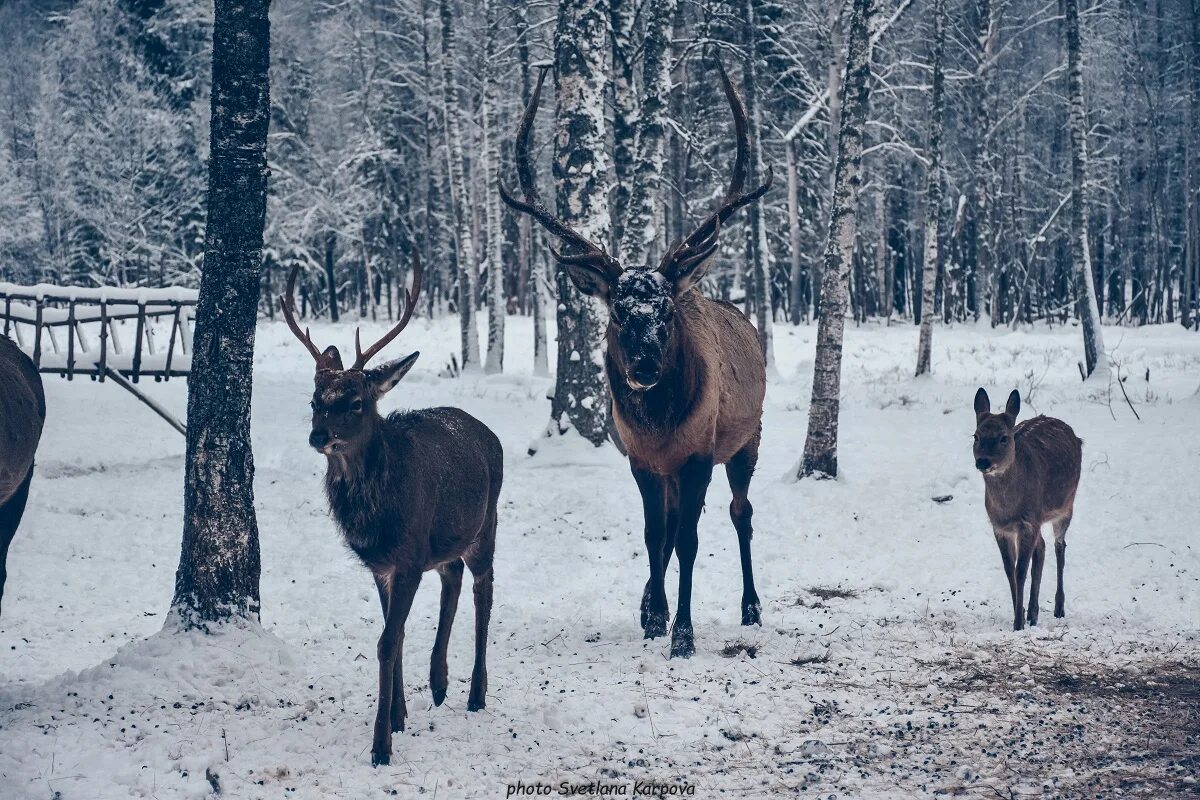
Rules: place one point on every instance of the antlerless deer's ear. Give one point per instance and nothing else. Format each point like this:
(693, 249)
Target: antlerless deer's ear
(383, 379)
(1013, 407)
(330, 359)
(982, 404)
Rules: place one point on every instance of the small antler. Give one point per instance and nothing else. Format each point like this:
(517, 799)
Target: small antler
(592, 256)
(287, 302)
(703, 241)
(410, 305)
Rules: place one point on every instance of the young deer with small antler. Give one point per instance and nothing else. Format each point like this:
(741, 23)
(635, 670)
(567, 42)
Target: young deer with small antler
(687, 379)
(1030, 474)
(413, 491)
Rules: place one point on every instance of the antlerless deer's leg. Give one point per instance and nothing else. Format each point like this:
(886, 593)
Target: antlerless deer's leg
(481, 571)
(1035, 577)
(439, 678)
(654, 600)
(693, 485)
(1024, 554)
(1007, 542)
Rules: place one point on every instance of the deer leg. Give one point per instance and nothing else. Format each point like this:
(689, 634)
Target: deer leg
(739, 470)
(1035, 577)
(1007, 542)
(693, 485)
(390, 715)
(1024, 554)
(439, 677)
(10, 517)
(1060, 556)
(481, 571)
(654, 489)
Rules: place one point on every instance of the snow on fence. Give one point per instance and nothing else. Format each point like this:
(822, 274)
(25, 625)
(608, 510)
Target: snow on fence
(71, 330)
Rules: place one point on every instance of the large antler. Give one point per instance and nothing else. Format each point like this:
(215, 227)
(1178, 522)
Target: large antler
(362, 357)
(703, 241)
(287, 302)
(591, 255)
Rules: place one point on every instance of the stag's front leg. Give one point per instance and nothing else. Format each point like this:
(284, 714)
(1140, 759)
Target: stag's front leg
(391, 712)
(654, 489)
(693, 486)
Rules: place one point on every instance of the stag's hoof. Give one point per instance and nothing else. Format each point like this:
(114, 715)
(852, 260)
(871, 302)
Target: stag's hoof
(683, 644)
(1060, 609)
(654, 625)
(476, 704)
(752, 614)
(439, 695)
(1059, 613)
(1019, 624)
(381, 759)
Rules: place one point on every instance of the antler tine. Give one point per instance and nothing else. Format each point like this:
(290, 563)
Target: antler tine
(410, 305)
(704, 236)
(533, 205)
(287, 302)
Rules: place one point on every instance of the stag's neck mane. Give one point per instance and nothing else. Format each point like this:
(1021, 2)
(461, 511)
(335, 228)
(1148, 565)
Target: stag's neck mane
(664, 407)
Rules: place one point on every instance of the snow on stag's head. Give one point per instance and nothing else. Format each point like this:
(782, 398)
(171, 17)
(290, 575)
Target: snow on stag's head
(345, 402)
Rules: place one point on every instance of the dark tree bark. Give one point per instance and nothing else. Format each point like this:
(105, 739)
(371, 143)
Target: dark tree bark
(219, 564)
(820, 446)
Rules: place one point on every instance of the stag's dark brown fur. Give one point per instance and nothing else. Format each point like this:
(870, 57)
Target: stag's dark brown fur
(1030, 475)
(22, 413)
(412, 492)
(687, 376)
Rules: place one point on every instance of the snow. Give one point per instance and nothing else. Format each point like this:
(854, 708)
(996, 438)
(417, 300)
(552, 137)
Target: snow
(885, 665)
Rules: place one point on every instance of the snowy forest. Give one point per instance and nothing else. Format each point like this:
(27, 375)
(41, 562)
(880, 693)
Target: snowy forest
(392, 122)
(830, 304)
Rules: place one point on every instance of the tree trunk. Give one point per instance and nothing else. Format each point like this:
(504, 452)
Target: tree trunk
(583, 173)
(219, 563)
(643, 218)
(760, 254)
(491, 200)
(1089, 313)
(796, 300)
(820, 447)
(933, 191)
(467, 257)
(331, 274)
(623, 16)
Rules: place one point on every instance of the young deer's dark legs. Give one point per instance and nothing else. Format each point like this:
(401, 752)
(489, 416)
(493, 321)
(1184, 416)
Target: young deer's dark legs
(439, 678)
(655, 491)
(1008, 543)
(739, 470)
(481, 571)
(402, 588)
(693, 486)
(10, 517)
(1060, 556)
(1035, 577)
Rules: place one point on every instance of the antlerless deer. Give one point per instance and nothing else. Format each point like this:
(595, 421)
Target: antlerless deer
(687, 379)
(22, 413)
(1030, 474)
(412, 492)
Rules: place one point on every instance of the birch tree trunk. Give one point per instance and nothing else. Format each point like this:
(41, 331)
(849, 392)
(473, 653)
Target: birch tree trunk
(933, 191)
(219, 563)
(796, 301)
(491, 167)
(623, 15)
(583, 174)
(760, 254)
(1089, 313)
(1191, 292)
(642, 222)
(820, 446)
(467, 259)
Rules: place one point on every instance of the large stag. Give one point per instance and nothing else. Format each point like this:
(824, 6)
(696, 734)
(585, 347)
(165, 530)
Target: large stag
(22, 412)
(687, 377)
(411, 492)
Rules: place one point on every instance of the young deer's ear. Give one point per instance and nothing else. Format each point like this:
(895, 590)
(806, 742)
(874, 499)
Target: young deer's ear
(330, 359)
(982, 404)
(589, 280)
(1013, 407)
(383, 379)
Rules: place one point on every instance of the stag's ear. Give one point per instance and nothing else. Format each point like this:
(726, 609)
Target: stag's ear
(1013, 407)
(330, 359)
(685, 275)
(588, 279)
(982, 404)
(383, 379)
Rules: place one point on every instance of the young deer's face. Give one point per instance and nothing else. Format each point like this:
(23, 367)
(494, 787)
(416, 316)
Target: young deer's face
(994, 446)
(345, 401)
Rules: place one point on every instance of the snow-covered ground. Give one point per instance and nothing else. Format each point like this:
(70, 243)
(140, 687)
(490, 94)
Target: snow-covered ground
(885, 666)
